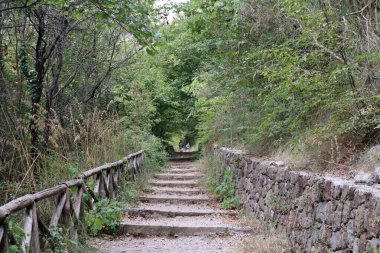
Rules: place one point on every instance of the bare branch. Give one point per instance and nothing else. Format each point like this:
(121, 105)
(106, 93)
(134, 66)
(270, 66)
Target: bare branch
(24, 6)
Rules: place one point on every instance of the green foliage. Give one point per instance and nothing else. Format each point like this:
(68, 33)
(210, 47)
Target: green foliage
(137, 16)
(56, 240)
(105, 216)
(18, 234)
(279, 71)
(29, 74)
(373, 250)
(155, 155)
(130, 192)
(221, 182)
(226, 191)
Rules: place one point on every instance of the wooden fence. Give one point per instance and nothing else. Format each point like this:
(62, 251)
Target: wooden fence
(69, 210)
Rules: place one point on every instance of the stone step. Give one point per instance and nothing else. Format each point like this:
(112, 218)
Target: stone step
(182, 164)
(164, 244)
(180, 225)
(182, 159)
(170, 176)
(182, 171)
(183, 167)
(177, 191)
(167, 230)
(162, 198)
(148, 210)
(182, 184)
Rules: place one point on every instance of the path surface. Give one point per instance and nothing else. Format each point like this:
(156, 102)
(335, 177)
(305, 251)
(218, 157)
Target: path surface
(176, 215)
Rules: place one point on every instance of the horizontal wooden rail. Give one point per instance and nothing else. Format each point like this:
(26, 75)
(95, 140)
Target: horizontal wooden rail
(69, 210)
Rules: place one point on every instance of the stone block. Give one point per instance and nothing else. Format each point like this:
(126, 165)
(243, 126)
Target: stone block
(376, 176)
(327, 190)
(321, 212)
(338, 241)
(363, 178)
(348, 192)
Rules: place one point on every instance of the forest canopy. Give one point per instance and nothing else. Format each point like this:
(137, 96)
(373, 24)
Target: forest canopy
(84, 82)
(298, 79)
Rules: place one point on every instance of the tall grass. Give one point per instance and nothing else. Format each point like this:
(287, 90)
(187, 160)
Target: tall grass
(77, 142)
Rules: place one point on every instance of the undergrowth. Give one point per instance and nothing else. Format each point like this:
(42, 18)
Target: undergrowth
(266, 238)
(221, 183)
(104, 217)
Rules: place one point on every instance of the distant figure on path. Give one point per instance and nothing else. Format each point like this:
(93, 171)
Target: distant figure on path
(188, 147)
(180, 146)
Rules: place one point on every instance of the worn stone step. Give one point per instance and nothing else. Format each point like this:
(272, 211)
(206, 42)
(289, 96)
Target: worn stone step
(182, 184)
(182, 164)
(183, 159)
(183, 167)
(177, 191)
(170, 176)
(167, 230)
(179, 225)
(182, 171)
(162, 198)
(149, 209)
(164, 244)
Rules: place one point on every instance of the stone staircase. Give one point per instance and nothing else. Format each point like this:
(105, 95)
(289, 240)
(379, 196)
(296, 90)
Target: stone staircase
(177, 207)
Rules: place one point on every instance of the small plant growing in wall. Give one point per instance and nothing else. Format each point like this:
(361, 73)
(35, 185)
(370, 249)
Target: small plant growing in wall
(226, 192)
(271, 201)
(377, 250)
(304, 200)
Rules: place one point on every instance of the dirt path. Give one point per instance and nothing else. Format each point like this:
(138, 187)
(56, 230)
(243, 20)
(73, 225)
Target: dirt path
(176, 215)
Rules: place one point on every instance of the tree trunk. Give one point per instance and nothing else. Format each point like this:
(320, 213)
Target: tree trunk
(37, 84)
(56, 73)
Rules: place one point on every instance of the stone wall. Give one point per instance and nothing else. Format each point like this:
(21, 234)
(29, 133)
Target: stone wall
(318, 213)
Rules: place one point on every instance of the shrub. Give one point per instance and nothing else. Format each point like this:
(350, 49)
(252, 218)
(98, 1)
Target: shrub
(105, 216)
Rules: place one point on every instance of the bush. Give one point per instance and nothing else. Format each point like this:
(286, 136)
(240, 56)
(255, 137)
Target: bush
(105, 216)
(155, 155)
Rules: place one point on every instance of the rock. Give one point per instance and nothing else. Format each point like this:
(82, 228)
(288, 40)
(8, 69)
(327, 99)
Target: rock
(373, 244)
(327, 190)
(363, 178)
(348, 192)
(375, 176)
(278, 164)
(337, 241)
(321, 212)
(337, 191)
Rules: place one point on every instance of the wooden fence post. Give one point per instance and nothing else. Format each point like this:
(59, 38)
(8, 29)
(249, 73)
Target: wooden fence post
(4, 243)
(28, 227)
(58, 210)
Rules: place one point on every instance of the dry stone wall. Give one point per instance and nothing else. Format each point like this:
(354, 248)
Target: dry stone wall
(318, 213)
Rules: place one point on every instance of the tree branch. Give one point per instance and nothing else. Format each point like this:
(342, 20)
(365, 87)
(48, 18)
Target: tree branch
(25, 6)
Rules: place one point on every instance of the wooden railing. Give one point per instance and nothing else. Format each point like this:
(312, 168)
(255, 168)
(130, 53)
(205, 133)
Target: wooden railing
(69, 210)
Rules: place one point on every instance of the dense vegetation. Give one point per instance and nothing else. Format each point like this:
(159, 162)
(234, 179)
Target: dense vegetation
(85, 82)
(293, 78)
(61, 63)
